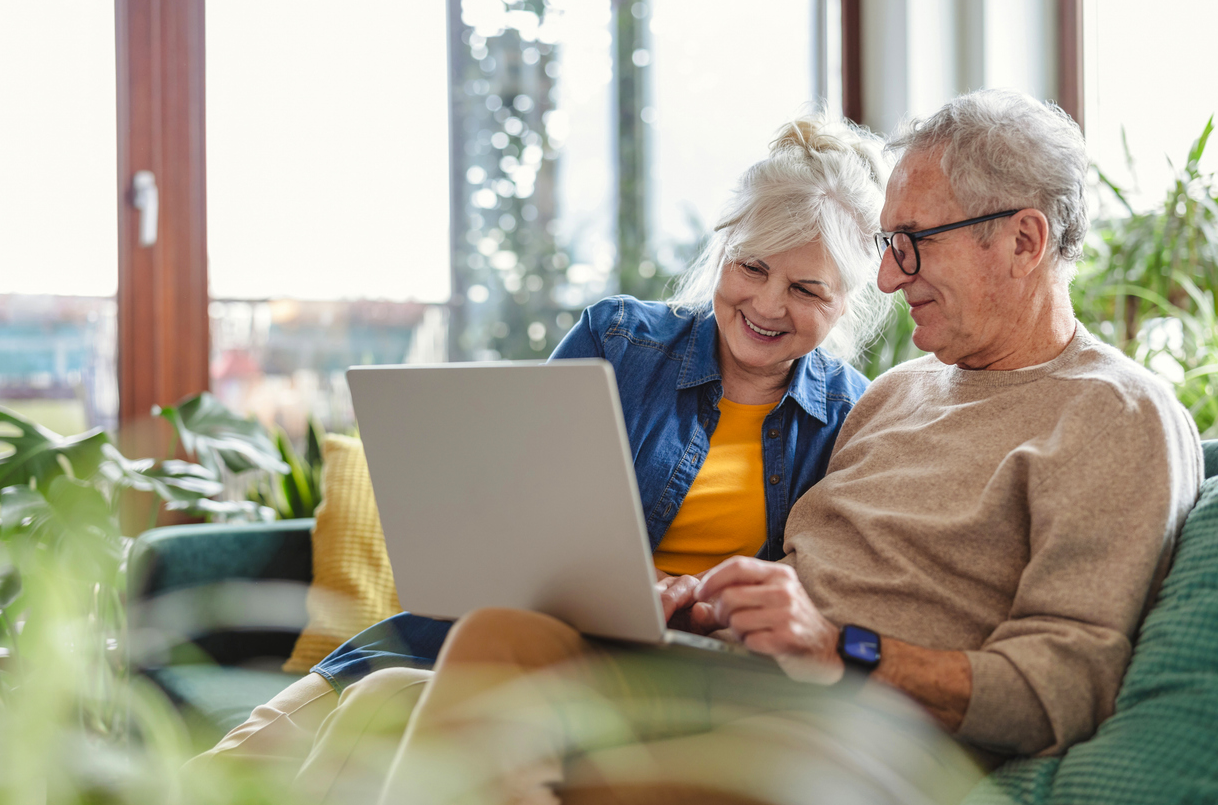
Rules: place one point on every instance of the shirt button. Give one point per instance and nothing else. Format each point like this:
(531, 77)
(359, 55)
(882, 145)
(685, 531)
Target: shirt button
(774, 479)
(773, 433)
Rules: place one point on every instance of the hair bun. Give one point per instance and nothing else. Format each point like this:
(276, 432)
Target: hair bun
(815, 135)
(812, 134)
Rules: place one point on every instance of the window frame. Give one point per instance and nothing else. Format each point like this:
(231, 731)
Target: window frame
(163, 339)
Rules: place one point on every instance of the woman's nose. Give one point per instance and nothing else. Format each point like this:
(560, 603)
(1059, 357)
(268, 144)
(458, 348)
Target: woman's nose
(771, 301)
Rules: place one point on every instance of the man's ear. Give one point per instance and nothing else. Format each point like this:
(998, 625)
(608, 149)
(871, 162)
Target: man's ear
(1031, 242)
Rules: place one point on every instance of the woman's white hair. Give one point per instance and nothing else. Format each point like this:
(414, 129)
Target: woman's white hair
(824, 179)
(1003, 149)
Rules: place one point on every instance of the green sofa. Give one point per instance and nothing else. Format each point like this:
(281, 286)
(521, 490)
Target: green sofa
(213, 612)
(215, 609)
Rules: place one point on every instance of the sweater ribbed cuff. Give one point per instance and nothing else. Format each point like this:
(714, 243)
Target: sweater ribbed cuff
(1004, 713)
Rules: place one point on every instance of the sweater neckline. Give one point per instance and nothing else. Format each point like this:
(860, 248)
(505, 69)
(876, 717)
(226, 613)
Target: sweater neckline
(1028, 374)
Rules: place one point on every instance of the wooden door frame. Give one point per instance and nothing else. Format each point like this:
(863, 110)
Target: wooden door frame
(163, 338)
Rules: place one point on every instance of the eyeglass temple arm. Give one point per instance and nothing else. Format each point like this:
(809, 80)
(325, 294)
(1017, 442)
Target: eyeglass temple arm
(959, 224)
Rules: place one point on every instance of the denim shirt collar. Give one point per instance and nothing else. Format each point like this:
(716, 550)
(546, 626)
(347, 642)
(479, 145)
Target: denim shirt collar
(808, 380)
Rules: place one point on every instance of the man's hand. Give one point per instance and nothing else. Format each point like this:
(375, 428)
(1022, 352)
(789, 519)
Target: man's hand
(768, 610)
(682, 610)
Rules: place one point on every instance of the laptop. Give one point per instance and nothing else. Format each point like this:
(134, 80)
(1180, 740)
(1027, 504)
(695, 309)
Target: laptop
(512, 485)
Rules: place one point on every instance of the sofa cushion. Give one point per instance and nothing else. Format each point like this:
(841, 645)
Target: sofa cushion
(352, 581)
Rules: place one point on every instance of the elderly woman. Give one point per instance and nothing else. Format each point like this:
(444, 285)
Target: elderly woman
(733, 393)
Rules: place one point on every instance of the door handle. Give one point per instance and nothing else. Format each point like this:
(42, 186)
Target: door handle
(147, 201)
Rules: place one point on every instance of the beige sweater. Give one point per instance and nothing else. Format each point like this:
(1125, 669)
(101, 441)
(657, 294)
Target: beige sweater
(1022, 516)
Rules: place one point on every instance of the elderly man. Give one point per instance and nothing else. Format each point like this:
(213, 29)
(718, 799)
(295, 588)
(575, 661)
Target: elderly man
(997, 515)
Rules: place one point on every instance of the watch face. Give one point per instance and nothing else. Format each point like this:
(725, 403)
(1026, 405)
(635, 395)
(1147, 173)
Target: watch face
(861, 644)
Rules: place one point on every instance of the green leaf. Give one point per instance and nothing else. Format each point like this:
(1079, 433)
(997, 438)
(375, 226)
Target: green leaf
(224, 509)
(37, 452)
(295, 483)
(1194, 155)
(218, 437)
(81, 508)
(314, 437)
(73, 521)
(169, 480)
(22, 511)
(10, 586)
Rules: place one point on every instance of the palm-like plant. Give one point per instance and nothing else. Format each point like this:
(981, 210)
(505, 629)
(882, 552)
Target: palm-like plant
(1149, 281)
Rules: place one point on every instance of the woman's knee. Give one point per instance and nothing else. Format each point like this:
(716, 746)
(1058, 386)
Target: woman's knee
(386, 685)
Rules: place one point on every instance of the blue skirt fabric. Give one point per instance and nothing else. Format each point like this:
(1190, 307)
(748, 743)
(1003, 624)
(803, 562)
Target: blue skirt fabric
(404, 640)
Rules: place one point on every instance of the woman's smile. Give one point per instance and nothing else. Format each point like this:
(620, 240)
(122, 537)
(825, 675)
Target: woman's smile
(765, 335)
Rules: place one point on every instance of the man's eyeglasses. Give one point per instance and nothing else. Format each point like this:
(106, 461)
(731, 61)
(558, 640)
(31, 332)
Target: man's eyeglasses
(904, 245)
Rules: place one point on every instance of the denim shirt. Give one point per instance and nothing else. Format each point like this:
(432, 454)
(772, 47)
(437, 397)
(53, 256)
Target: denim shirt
(669, 383)
(670, 386)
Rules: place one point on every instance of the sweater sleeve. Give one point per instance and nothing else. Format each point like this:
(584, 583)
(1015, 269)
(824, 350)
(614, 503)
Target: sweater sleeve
(1104, 508)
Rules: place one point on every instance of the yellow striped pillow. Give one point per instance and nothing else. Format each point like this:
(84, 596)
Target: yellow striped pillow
(352, 582)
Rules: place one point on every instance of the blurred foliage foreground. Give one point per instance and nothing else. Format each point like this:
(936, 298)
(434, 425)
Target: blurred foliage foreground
(75, 725)
(1147, 285)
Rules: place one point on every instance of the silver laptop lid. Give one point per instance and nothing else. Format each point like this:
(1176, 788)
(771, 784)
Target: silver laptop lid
(509, 485)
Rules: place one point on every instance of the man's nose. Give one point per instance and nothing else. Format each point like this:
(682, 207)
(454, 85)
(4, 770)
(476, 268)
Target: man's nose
(891, 278)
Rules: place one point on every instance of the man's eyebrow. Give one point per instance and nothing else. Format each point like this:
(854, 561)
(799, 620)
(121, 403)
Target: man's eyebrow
(907, 226)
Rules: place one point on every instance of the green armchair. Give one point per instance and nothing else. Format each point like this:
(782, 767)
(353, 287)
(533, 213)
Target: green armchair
(214, 610)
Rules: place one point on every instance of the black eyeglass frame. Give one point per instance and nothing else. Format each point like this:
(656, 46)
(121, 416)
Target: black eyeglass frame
(883, 240)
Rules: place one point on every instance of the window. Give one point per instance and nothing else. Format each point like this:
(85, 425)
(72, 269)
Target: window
(1157, 103)
(724, 79)
(58, 214)
(327, 199)
(594, 144)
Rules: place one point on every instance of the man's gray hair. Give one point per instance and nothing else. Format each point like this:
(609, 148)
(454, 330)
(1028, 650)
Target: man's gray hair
(824, 179)
(1003, 149)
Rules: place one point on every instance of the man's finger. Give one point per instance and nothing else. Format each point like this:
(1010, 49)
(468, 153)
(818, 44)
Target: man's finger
(750, 596)
(740, 570)
(774, 622)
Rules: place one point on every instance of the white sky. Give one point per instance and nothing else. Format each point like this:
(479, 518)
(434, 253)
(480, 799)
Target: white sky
(58, 152)
(327, 130)
(327, 149)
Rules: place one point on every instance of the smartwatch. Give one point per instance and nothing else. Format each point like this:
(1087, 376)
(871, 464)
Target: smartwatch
(859, 648)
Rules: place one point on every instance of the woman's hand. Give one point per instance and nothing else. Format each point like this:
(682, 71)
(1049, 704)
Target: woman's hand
(682, 610)
(769, 611)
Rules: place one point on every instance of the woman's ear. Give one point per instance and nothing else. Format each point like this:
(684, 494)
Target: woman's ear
(1031, 242)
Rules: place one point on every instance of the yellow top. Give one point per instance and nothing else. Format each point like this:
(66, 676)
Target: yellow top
(724, 512)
